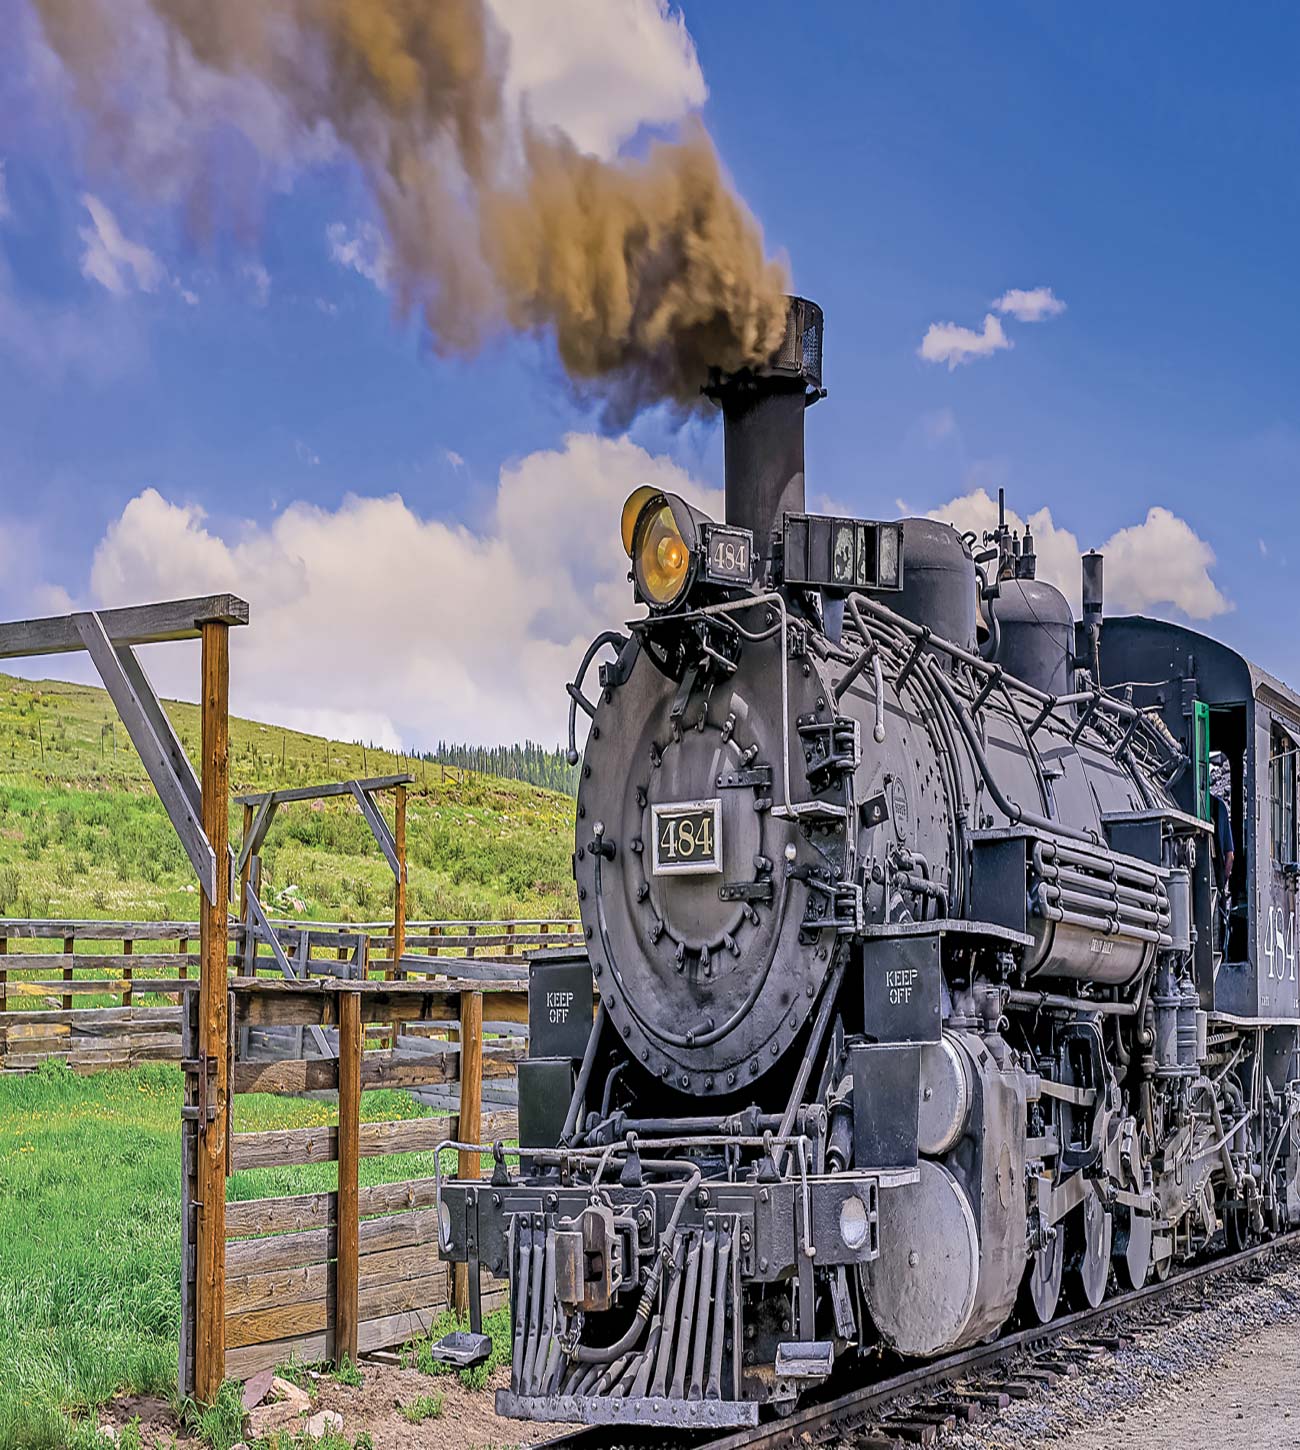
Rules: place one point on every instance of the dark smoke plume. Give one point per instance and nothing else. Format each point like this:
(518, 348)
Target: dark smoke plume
(644, 271)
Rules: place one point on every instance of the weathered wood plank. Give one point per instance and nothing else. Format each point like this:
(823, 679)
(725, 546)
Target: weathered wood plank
(280, 1148)
(92, 961)
(282, 1321)
(258, 1216)
(136, 624)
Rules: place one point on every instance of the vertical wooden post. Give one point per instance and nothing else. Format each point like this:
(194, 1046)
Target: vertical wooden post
(471, 1112)
(399, 884)
(347, 1266)
(69, 945)
(214, 1022)
(246, 967)
(128, 946)
(4, 980)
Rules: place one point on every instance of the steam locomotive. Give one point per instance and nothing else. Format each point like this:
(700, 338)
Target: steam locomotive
(922, 988)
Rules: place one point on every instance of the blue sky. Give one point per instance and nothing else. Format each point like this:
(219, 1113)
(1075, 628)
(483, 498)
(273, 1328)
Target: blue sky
(914, 163)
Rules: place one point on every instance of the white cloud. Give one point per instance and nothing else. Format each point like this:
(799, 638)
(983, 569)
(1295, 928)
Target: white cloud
(438, 629)
(947, 342)
(600, 72)
(362, 248)
(1032, 306)
(259, 281)
(1159, 564)
(113, 261)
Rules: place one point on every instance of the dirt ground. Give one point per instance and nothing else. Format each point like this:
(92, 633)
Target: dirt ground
(467, 1420)
(1250, 1400)
(1223, 1377)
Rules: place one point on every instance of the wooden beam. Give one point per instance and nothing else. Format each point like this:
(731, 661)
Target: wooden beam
(347, 1273)
(138, 624)
(471, 1111)
(247, 942)
(214, 1024)
(323, 792)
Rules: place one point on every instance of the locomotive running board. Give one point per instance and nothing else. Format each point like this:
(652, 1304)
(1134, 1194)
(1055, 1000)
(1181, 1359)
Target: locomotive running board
(613, 1410)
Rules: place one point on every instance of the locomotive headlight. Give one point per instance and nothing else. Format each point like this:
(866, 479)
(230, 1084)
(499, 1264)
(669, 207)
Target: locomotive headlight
(855, 1223)
(660, 533)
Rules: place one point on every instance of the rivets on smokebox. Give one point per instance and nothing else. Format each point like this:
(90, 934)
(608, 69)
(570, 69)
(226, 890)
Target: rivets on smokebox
(590, 933)
(642, 891)
(582, 893)
(582, 811)
(731, 1079)
(753, 1067)
(586, 772)
(645, 1054)
(686, 1079)
(708, 1084)
(641, 796)
(776, 1048)
(638, 845)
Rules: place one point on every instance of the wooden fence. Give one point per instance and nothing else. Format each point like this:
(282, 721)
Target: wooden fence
(353, 1269)
(103, 994)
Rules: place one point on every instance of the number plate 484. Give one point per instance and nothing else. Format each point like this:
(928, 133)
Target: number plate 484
(687, 838)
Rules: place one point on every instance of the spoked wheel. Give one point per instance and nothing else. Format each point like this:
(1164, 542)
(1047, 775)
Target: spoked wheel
(1132, 1245)
(1091, 1232)
(1046, 1274)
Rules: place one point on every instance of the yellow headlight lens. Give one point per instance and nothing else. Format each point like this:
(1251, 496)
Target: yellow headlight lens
(636, 501)
(660, 556)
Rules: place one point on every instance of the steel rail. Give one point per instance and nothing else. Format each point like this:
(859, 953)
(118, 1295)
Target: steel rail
(857, 1408)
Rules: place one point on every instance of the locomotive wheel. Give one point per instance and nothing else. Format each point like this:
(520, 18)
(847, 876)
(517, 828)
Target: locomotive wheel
(1091, 1231)
(1236, 1225)
(1045, 1277)
(1132, 1246)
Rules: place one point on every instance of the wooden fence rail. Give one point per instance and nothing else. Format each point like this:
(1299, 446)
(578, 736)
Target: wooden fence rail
(101, 994)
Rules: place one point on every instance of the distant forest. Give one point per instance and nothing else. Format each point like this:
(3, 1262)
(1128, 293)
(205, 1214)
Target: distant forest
(528, 762)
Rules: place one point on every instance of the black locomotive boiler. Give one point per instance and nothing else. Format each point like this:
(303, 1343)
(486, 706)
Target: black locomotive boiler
(921, 987)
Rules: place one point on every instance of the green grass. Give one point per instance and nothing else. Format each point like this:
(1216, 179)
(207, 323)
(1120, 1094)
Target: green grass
(422, 1408)
(82, 834)
(90, 1233)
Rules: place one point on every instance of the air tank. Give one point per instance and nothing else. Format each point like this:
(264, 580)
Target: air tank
(939, 585)
(1036, 628)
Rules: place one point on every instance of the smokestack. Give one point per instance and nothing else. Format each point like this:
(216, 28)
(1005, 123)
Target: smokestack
(762, 411)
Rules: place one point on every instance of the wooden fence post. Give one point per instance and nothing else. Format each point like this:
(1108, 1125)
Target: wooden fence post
(245, 969)
(214, 1022)
(471, 1112)
(347, 1265)
(69, 945)
(4, 982)
(128, 947)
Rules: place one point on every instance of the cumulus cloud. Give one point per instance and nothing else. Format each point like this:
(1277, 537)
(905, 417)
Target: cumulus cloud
(600, 72)
(362, 249)
(950, 343)
(438, 630)
(1156, 565)
(109, 258)
(1036, 305)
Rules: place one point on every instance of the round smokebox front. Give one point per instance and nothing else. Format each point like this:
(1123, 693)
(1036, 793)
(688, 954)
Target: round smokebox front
(689, 870)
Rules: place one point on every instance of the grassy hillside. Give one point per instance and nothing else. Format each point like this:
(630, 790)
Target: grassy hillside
(82, 833)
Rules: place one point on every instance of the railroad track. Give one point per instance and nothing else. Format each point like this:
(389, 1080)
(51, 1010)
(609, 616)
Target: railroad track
(912, 1406)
